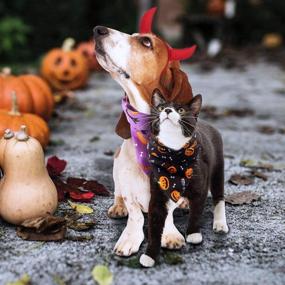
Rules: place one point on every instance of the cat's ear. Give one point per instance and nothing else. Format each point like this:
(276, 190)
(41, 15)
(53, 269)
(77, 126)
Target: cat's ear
(157, 98)
(195, 105)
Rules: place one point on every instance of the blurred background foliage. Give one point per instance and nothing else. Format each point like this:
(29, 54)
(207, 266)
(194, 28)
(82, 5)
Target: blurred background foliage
(28, 28)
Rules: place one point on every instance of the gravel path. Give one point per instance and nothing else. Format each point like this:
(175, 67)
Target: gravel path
(252, 253)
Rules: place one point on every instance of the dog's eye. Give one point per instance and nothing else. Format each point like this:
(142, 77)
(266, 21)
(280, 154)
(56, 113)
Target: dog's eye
(145, 41)
(181, 111)
(160, 108)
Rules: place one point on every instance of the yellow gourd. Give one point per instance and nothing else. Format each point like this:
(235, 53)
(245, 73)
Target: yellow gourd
(26, 190)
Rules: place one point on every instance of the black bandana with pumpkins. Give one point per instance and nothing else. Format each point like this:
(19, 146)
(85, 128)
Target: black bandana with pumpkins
(172, 169)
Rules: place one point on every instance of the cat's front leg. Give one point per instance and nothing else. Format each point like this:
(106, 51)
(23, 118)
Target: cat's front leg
(193, 234)
(156, 220)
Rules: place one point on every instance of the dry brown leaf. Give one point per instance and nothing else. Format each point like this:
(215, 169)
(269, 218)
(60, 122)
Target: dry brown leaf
(245, 197)
(239, 179)
(46, 228)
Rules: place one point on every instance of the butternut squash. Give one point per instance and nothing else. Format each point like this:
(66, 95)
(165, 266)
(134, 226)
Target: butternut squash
(26, 190)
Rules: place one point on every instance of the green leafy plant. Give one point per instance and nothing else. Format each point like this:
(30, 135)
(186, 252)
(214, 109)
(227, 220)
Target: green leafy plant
(13, 35)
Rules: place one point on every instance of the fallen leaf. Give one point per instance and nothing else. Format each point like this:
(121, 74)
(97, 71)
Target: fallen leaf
(96, 187)
(171, 258)
(46, 228)
(94, 139)
(245, 197)
(58, 280)
(238, 179)
(132, 262)
(256, 165)
(80, 238)
(109, 152)
(80, 226)
(24, 280)
(59, 142)
(55, 166)
(238, 112)
(102, 275)
(259, 174)
(81, 209)
(268, 130)
(82, 197)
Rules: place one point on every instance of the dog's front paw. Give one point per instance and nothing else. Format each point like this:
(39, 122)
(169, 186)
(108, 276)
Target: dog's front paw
(194, 238)
(128, 244)
(117, 211)
(220, 226)
(172, 240)
(146, 261)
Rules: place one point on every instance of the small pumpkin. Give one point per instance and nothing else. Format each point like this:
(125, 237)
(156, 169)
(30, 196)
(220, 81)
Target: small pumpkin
(65, 68)
(13, 119)
(87, 49)
(189, 172)
(26, 190)
(216, 7)
(34, 95)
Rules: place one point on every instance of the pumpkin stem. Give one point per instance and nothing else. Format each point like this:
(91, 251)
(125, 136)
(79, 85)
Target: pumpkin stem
(68, 44)
(22, 135)
(6, 71)
(15, 106)
(8, 134)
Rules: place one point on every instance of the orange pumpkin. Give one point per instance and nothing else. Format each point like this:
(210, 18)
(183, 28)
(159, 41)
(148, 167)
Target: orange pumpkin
(87, 49)
(65, 68)
(13, 120)
(216, 7)
(34, 95)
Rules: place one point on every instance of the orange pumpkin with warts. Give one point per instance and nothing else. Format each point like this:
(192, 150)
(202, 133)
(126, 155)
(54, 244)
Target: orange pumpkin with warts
(34, 95)
(65, 68)
(13, 120)
(87, 49)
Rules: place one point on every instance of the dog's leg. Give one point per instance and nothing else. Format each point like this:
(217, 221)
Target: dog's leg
(118, 209)
(217, 190)
(156, 219)
(132, 236)
(194, 235)
(171, 237)
(135, 190)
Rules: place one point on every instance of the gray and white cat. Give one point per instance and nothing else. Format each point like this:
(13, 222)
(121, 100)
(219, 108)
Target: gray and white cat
(186, 157)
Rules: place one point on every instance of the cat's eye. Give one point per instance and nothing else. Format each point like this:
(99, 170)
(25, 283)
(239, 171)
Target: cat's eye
(181, 110)
(160, 108)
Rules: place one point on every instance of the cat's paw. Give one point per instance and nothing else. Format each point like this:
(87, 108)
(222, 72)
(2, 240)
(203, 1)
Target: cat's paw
(146, 261)
(195, 238)
(220, 226)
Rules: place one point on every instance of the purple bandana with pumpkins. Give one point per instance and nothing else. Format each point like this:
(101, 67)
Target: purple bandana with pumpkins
(140, 132)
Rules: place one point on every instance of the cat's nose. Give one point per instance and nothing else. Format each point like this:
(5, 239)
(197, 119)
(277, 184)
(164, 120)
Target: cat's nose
(168, 111)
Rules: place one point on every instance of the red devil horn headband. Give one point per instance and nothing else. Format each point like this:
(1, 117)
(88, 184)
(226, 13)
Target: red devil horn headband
(174, 54)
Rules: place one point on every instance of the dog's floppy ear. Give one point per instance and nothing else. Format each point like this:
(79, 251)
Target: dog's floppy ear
(157, 98)
(123, 127)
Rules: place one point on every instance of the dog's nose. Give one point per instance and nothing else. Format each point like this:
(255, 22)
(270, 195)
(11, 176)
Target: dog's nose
(100, 31)
(168, 111)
